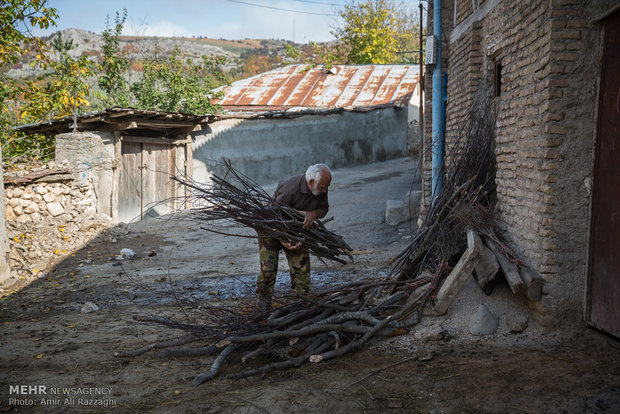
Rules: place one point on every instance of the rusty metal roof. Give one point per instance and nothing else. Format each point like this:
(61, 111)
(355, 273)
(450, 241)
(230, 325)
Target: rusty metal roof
(342, 86)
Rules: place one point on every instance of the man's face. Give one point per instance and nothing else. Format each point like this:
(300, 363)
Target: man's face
(321, 186)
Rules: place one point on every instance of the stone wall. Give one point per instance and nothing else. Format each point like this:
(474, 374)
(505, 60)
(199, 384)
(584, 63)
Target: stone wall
(550, 55)
(47, 220)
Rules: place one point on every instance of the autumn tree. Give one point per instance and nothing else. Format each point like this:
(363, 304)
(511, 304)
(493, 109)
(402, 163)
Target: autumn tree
(64, 88)
(17, 17)
(373, 31)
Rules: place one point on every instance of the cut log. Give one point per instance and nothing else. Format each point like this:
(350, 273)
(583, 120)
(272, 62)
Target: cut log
(487, 266)
(510, 271)
(456, 279)
(533, 283)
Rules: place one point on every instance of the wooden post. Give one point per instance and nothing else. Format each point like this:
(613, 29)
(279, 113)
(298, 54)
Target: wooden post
(456, 279)
(116, 176)
(189, 161)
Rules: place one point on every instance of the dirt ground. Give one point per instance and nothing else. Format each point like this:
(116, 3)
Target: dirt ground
(56, 358)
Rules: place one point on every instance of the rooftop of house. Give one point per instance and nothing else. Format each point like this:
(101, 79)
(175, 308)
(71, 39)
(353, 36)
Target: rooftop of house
(318, 87)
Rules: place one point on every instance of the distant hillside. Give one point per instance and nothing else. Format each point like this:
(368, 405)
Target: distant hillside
(244, 57)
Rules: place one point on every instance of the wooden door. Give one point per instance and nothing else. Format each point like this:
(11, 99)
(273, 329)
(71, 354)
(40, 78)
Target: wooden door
(145, 188)
(130, 182)
(603, 287)
(158, 189)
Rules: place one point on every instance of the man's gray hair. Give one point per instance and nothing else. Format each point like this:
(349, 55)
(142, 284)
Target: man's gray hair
(316, 171)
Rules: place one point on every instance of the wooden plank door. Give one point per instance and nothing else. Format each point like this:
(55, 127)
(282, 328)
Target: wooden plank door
(158, 188)
(130, 182)
(145, 188)
(603, 287)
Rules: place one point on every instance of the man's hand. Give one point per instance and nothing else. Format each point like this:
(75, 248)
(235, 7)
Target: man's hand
(290, 246)
(309, 217)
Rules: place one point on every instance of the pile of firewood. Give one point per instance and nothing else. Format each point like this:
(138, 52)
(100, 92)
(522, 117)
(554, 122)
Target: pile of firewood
(324, 325)
(311, 328)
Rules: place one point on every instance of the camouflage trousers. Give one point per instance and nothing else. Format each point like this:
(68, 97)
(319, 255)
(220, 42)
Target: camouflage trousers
(298, 263)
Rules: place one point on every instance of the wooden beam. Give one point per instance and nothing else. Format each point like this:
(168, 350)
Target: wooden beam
(510, 271)
(157, 141)
(487, 266)
(90, 120)
(165, 124)
(456, 279)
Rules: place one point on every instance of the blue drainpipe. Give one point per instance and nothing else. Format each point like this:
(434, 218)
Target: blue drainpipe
(438, 113)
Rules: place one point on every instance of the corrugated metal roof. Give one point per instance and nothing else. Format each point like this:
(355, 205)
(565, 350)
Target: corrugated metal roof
(344, 86)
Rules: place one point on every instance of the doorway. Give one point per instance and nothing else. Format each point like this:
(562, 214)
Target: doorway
(603, 280)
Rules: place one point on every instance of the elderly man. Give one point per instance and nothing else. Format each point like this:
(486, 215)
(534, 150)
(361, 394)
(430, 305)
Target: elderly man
(308, 194)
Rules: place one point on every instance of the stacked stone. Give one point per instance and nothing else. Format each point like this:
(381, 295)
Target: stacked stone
(48, 220)
(36, 202)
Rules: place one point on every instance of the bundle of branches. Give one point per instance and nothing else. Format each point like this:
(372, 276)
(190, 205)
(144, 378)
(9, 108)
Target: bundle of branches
(235, 197)
(311, 328)
(464, 199)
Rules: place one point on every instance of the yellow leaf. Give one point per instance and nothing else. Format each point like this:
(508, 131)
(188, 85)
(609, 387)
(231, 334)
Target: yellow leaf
(39, 356)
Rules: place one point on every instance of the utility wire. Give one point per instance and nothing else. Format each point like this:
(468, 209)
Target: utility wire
(320, 2)
(278, 8)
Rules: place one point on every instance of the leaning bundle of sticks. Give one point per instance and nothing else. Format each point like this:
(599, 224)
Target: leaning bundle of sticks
(235, 197)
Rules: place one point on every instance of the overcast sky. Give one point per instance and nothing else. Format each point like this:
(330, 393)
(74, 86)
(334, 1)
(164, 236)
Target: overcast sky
(305, 20)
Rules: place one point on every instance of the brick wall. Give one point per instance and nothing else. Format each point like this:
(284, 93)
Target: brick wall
(550, 53)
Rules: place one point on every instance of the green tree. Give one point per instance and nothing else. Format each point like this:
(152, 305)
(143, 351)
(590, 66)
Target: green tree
(373, 31)
(179, 84)
(114, 65)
